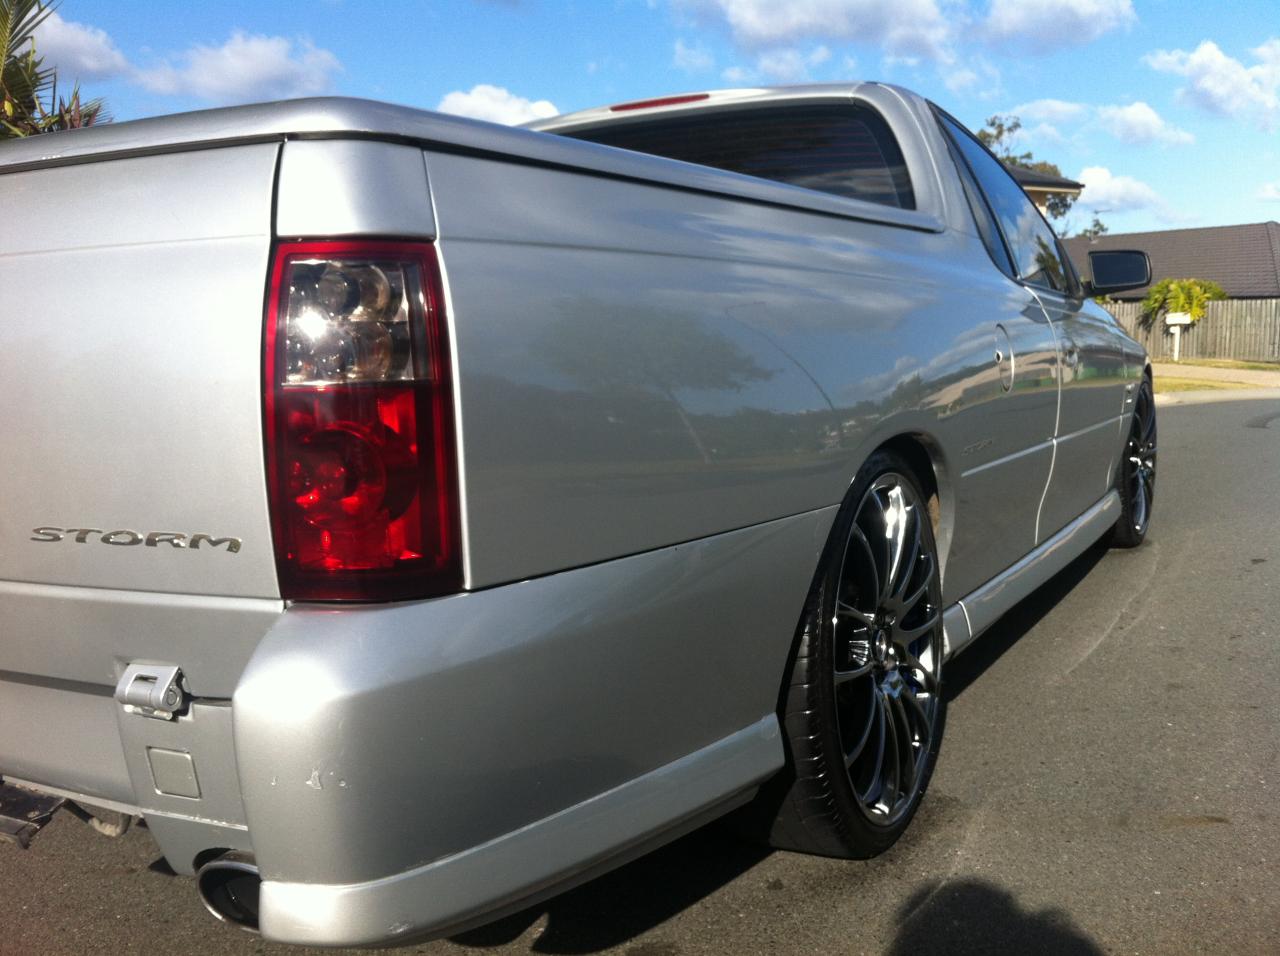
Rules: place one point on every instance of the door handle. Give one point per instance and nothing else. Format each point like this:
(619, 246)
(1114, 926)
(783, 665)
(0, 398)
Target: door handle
(1072, 358)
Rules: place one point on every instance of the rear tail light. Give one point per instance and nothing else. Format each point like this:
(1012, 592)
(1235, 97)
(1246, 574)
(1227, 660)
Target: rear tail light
(359, 420)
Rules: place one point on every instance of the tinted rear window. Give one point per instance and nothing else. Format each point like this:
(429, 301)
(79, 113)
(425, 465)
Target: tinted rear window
(846, 150)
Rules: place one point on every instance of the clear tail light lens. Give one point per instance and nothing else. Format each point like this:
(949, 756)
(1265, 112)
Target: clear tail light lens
(359, 419)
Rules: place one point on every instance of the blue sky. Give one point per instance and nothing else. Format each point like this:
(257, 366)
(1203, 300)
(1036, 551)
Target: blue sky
(1168, 111)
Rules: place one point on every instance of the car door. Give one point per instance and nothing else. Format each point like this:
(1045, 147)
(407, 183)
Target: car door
(1091, 361)
(1006, 462)
(1090, 423)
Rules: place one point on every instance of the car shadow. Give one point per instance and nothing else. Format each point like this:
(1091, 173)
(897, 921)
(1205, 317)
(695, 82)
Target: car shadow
(966, 668)
(631, 900)
(973, 916)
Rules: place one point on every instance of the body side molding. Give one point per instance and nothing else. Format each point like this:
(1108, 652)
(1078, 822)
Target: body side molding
(983, 607)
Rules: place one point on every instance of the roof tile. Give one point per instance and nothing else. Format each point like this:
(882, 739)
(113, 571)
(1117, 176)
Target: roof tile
(1244, 260)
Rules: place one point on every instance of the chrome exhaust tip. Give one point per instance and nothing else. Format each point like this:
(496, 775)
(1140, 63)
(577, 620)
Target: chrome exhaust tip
(228, 887)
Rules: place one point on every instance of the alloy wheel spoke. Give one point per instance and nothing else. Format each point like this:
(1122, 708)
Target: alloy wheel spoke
(862, 617)
(908, 569)
(912, 663)
(922, 718)
(908, 635)
(894, 763)
(869, 725)
(910, 601)
(873, 789)
(877, 510)
(843, 677)
(865, 546)
(907, 736)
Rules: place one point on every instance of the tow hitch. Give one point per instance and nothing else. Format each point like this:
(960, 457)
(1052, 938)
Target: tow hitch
(23, 813)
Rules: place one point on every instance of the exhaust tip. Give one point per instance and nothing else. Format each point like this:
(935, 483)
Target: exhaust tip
(228, 887)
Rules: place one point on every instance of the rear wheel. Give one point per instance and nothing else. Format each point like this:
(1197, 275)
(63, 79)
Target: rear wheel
(863, 710)
(1136, 476)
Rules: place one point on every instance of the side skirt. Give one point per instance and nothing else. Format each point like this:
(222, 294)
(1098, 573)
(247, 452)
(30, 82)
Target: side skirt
(978, 610)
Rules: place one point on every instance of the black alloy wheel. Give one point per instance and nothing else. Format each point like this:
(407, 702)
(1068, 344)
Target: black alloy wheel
(863, 710)
(1136, 476)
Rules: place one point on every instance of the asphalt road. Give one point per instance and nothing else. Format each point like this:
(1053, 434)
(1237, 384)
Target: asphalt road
(1108, 782)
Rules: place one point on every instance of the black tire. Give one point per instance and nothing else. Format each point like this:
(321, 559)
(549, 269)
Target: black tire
(890, 713)
(1136, 474)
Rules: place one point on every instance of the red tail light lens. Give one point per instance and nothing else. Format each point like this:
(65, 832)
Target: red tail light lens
(359, 419)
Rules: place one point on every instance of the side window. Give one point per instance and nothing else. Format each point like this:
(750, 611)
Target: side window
(846, 150)
(982, 215)
(1032, 244)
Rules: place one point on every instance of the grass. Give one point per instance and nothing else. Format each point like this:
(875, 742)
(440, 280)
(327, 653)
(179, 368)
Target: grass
(1166, 385)
(1230, 363)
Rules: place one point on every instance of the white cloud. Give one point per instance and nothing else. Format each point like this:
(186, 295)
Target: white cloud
(957, 81)
(1050, 111)
(1139, 123)
(1222, 84)
(1105, 191)
(905, 27)
(495, 104)
(790, 65)
(1042, 26)
(972, 74)
(1270, 192)
(77, 50)
(692, 59)
(1046, 133)
(246, 68)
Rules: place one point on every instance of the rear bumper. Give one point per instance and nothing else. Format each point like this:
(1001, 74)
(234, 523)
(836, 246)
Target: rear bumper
(405, 770)
(540, 859)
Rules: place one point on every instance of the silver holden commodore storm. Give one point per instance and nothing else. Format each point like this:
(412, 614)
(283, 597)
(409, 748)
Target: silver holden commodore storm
(464, 509)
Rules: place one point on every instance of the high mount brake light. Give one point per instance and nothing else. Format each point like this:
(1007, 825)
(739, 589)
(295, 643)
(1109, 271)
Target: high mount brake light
(361, 459)
(661, 101)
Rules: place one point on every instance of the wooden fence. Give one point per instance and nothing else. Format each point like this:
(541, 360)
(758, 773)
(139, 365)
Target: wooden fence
(1233, 329)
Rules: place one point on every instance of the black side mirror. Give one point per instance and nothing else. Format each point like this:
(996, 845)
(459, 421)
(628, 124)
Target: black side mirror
(1116, 270)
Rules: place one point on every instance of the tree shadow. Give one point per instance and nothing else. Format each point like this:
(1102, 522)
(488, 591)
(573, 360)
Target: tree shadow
(631, 900)
(974, 661)
(973, 916)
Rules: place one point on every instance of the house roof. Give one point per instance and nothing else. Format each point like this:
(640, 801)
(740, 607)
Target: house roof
(1244, 260)
(1034, 181)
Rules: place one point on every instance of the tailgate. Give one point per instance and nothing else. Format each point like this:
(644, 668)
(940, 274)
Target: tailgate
(131, 298)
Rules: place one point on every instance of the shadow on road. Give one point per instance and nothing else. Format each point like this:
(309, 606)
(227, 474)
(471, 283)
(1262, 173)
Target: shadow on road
(973, 916)
(991, 646)
(623, 904)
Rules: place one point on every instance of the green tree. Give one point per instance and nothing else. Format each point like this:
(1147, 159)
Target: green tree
(999, 136)
(29, 100)
(1180, 295)
(1094, 229)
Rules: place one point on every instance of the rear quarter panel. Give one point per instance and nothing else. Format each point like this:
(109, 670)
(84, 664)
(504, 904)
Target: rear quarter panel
(642, 366)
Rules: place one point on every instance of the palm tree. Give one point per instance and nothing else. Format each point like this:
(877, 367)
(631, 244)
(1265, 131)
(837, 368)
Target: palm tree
(29, 101)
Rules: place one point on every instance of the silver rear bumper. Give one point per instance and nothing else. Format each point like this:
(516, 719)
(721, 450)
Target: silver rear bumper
(540, 859)
(404, 770)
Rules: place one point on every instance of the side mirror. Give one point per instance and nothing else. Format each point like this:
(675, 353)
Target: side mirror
(1116, 270)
